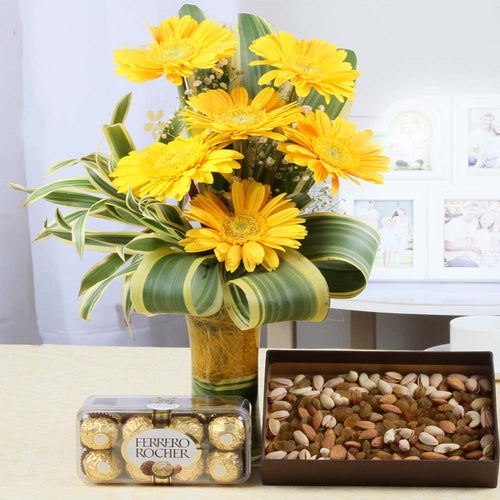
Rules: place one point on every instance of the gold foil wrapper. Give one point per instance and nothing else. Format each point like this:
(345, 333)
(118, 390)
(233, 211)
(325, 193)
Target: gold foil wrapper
(136, 424)
(188, 425)
(224, 466)
(162, 470)
(98, 433)
(136, 474)
(227, 432)
(191, 472)
(101, 465)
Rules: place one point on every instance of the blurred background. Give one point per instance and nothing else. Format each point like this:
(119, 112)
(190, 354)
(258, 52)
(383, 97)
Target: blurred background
(57, 87)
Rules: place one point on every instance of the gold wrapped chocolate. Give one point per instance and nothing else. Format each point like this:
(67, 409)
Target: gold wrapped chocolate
(136, 424)
(224, 466)
(136, 474)
(188, 425)
(101, 465)
(191, 472)
(98, 433)
(226, 432)
(162, 469)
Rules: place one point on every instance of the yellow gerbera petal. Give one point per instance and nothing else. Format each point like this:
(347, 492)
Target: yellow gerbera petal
(251, 232)
(167, 170)
(306, 64)
(235, 116)
(180, 46)
(334, 149)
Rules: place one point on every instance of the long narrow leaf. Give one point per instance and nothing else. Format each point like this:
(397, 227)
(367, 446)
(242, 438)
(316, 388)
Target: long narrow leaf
(100, 271)
(103, 184)
(80, 183)
(296, 290)
(178, 283)
(343, 248)
(149, 243)
(119, 140)
(61, 164)
(250, 28)
(121, 109)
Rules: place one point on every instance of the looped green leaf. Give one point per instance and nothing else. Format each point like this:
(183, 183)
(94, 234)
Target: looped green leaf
(176, 283)
(343, 248)
(119, 140)
(296, 290)
(193, 11)
(121, 109)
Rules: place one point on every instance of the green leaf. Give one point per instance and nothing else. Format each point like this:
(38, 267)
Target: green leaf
(168, 282)
(80, 183)
(127, 304)
(343, 248)
(301, 200)
(131, 202)
(94, 294)
(119, 140)
(335, 107)
(121, 109)
(296, 290)
(62, 221)
(250, 28)
(102, 184)
(62, 164)
(193, 11)
(100, 271)
(149, 243)
(172, 129)
(78, 232)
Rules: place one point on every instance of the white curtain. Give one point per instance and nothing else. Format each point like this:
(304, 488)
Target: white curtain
(68, 91)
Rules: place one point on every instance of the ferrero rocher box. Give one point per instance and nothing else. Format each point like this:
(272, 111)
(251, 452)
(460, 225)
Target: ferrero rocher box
(381, 418)
(164, 440)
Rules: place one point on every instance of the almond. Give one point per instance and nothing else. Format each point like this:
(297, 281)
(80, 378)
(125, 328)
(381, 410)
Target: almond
(350, 456)
(309, 432)
(432, 455)
(352, 444)
(365, 424)
(316, 420)
(390, 408)
(395, 456)
(329, 441)
(474, 454)
(448, 426)
(338, 452)
(377, 442)
(455, 384)
(368, 434)
(411, 458)
(303, 413)
(463, 429)
(471, 445)
(388, 399)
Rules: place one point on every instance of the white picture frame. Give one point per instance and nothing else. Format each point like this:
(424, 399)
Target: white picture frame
(402, 254)
(469, 139)
(451, 203)
(416, 133)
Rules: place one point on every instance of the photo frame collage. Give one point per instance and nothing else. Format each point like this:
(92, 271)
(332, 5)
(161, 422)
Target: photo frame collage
(438, 212)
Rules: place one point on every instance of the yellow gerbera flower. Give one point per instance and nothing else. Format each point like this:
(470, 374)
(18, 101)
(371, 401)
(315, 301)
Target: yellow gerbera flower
(166, 170)
(306, 64)
(334, 149)
(252, 232)
(237, 116)
(179, 47)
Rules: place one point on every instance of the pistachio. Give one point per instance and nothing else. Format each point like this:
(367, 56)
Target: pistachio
(328, 391)
(318, 382)
(277, 394)
(301, 390)
(412, 387)
(434, 430)
(404, 445)
(326, 401)
(472, 385)
(489, 450)
(365, 382)
(272, 427)
(311, 394)
(281, 405)
(475, 418)
(423, 380)
(390, 436)
(400, 390)
(298, 379)
(406, 433)
(384, 387)
(300, 438)
(440, 395)
(458, 411)
(276, 455)
(426, 438)
(375, 377)
(293, 455)
(486, 440)
(280, 382)
(485, 385)
(393, 376)
(486, 418)
(435, 379)
(328, 422)
(446, 448)
(480, 403)
(333, 382)
(304, 454)
(279, 415)
(409, 378)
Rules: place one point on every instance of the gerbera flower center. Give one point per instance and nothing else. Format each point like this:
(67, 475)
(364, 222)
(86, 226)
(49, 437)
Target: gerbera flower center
(302, 65)
(176, 160)
(333, 151)
(240, 228)
(243, 116)
(171, 51)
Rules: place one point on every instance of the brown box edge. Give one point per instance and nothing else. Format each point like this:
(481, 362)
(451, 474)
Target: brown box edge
(382, 473)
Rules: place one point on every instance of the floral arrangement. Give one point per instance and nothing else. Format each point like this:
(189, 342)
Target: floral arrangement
(215, 204)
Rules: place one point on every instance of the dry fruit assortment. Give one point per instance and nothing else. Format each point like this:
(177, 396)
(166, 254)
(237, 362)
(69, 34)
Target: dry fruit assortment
(380, 416)
(164, 440)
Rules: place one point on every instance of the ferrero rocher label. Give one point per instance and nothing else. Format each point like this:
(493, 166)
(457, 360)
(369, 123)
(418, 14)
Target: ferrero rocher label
(158, 452)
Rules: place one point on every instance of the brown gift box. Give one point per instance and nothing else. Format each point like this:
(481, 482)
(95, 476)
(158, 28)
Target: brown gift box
(379, 472)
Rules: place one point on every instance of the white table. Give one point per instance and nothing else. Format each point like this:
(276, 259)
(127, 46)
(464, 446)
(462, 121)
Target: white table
(430, 298)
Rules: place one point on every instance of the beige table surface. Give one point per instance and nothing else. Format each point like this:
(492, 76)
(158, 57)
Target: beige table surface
(42, 387)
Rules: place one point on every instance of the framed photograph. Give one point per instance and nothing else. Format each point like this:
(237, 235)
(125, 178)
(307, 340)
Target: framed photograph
(399, 214)
(416, 135)
(477, 138)
(464, 234)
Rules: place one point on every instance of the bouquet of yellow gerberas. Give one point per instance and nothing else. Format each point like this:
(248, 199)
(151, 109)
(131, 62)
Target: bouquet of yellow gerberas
(261, 119)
